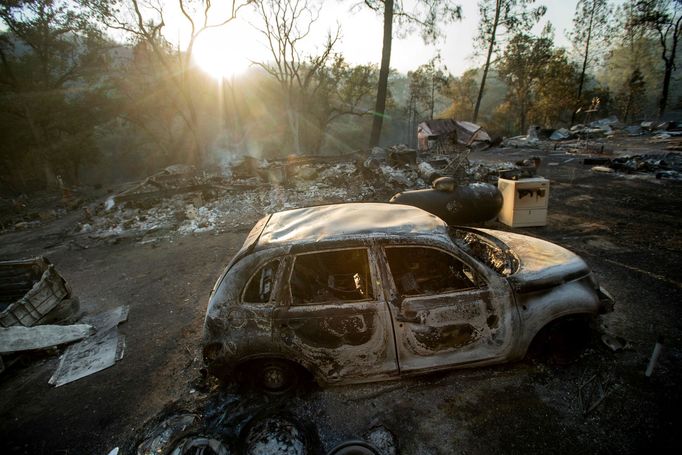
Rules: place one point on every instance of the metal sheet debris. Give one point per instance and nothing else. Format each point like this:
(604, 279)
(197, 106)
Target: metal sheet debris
(602, 169)
(89, 356)
(560, 135)
(442, 135)
(108, 319)
(17, 338)
(663, 166)
(95, 353)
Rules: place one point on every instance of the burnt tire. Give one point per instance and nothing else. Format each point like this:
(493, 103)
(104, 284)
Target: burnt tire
(275, 376)
(563, 341)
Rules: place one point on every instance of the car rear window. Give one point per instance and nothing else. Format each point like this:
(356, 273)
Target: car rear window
(261, 284)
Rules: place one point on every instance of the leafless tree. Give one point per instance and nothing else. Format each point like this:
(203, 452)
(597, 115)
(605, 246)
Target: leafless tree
(285, 26)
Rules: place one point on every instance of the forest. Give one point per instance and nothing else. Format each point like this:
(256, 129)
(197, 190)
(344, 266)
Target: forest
(98, 91)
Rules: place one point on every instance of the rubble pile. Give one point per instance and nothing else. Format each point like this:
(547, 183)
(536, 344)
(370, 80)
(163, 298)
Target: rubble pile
(603, 128)
(37, 313)
(205, 203)
(24, 212)
(666, 166)
(180, 200)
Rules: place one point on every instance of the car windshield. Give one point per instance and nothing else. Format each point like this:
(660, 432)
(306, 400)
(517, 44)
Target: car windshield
(491, 251)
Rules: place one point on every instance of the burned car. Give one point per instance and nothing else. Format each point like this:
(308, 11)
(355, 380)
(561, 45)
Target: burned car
(370, 291)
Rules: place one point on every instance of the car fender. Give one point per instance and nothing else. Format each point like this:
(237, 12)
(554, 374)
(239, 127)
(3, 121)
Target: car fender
(540, 308)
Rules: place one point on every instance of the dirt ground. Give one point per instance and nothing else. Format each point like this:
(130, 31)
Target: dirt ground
(627, 227)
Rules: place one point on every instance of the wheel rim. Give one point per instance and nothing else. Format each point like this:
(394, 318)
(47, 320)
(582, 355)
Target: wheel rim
(274, 377)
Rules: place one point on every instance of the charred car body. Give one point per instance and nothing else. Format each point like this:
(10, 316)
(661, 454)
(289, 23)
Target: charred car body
(369, 291)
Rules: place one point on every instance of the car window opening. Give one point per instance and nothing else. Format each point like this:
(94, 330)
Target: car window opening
(428, 271)
(261, 284)
(331, 276)
(485, 251)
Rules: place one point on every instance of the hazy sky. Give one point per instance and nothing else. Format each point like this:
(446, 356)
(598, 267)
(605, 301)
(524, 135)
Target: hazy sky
(230, 49)
(362, 36)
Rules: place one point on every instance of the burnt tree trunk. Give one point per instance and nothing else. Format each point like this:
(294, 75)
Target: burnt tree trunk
(382, 90)
(491, 47)
(663, 103)
(581, 82)
(669, 67)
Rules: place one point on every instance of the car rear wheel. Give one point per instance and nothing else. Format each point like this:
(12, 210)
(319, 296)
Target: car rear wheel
(275, 376)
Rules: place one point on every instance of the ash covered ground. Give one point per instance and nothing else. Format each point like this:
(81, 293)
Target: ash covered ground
(161, 254)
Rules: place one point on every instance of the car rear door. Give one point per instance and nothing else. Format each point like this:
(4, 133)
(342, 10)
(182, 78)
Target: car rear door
(446, 312)
(336, 320)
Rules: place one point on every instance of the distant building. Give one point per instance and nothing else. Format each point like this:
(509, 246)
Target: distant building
(443, 135)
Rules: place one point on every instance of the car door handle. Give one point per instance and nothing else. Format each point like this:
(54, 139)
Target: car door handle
(294, 324)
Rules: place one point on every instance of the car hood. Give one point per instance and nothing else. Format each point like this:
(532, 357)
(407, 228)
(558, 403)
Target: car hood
(541, 264)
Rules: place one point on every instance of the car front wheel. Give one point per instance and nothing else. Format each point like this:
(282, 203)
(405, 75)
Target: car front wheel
(563, 341)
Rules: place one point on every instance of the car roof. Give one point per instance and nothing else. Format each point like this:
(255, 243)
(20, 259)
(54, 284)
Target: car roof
(349, 221)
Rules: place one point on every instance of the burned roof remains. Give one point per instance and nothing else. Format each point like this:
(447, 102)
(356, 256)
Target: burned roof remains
(346, 221)
(467, 132)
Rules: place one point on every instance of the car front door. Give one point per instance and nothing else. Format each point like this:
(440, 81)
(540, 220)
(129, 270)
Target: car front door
(336, 320)
(445, 312)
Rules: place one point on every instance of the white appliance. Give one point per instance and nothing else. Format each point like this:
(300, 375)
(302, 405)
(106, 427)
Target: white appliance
(525, 202)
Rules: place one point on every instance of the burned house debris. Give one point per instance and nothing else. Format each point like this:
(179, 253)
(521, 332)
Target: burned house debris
(37, 305)
(662, 166)
(286, 290)
(181, 201)
(19, 338)
(33, 293)
(443, 136)
(257, 426)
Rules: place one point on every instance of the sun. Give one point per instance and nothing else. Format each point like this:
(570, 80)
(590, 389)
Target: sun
(221, 53)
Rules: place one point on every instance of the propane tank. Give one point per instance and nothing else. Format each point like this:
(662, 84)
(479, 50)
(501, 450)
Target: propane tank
(470, 203)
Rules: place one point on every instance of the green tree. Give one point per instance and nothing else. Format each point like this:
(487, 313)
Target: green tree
(348, 89)
(54, 88)
(632, 49)
(427, 83)
(339, 90)
(663, 19)
(143, 85)
(590, 35)
(523, 67)
(463, 92)
(634, 90)
(426, 15)
(499, 19)
(554, 102)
